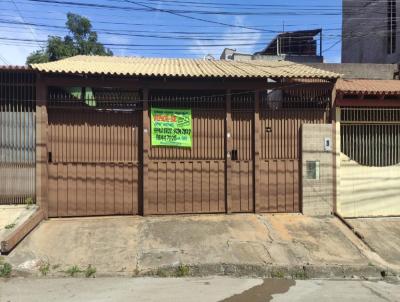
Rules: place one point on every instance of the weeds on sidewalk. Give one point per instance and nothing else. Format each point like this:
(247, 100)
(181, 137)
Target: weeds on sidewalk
(182, 271)
(28, 202)
(73, 271)
(10, 226)
(277, 275)
(5, 269)
(90, 271)
(44, 268)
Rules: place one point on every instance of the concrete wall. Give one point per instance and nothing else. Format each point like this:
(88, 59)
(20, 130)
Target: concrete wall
(365, 32)
(360, 71)
(317, 195)
(368, 191)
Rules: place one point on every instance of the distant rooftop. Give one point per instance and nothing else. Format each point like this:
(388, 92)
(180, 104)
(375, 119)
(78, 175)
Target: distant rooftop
(301, 42)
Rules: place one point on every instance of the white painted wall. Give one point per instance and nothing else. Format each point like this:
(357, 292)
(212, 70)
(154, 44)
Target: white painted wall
(368, 191)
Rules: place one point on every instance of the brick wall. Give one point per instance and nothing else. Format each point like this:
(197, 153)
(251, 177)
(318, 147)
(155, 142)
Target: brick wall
(318, 194)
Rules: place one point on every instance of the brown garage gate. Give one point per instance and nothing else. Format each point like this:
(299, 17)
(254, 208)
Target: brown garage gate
(93, 154)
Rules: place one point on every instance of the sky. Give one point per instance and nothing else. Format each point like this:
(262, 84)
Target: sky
(168, 28)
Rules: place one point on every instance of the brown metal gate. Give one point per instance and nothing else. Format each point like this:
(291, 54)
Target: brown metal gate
(190, 180)
(280, 154)
(242, 188)
(94, 160)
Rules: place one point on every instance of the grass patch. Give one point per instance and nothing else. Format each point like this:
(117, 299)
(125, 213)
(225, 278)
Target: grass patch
(5, 270)
(73, 271)
(44, 268)
(90, 271)
(10, 226)
(278, 275)
(29, 202)
(161, 273)
(182, 271)
(300, 275)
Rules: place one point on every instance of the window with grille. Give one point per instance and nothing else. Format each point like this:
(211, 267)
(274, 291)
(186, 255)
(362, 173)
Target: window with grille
(391, 27)
(371, 136)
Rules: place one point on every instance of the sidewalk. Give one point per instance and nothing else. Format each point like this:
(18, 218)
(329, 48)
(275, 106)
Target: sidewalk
(382, 235)
(238, 245)
(11, 216)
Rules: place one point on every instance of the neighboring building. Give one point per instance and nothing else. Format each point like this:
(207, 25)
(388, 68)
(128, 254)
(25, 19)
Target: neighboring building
(304, 46)
(370, 31)
(368, 147)
(361, 71)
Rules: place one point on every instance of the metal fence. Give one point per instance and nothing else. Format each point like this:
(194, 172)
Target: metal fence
(17, 136)
(371, 136)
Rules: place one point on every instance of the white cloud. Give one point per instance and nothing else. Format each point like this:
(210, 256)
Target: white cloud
(228, 39)
(16, 52)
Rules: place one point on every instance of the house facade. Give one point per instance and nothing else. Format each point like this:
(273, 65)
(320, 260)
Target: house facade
(370, 33)
(96, 153)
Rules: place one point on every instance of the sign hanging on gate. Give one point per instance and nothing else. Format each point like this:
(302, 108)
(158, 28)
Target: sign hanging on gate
(171, 127)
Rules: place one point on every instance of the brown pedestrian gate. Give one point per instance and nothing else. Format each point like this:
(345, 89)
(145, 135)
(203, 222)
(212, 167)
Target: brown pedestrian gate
(242, 153)
(190, 180)
(93, 156)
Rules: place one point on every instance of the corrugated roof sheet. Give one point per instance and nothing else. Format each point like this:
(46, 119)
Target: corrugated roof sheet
(190, 68)
(388, 87)
(14, 67)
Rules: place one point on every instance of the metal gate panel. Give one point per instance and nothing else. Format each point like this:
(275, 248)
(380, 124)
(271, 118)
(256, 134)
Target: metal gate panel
(17, 136)
(280, 157)
(186, 187)
(190, 180)
(93, 162)
(242, 154)
(279, 186)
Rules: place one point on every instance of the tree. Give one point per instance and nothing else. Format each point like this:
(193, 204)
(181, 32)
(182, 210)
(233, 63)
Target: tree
(80, 41)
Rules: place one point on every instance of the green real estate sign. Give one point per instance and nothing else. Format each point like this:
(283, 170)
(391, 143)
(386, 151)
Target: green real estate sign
(171, 127)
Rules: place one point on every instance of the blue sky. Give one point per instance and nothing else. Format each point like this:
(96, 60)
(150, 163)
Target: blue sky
(169, 28)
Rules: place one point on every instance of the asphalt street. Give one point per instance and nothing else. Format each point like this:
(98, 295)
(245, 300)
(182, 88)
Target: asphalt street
(194, 289)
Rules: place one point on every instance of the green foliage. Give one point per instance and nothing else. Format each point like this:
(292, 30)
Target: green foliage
(44, 268)
(5, 270)
(278, 274)
(10, 226)
(80, 41)
(28, 202)
(73, 271)
(182, 271)
(90, 271)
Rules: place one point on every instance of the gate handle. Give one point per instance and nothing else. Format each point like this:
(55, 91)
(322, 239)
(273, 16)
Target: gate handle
(234, 155)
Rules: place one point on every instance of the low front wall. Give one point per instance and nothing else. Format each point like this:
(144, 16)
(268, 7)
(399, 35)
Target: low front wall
(368, 191)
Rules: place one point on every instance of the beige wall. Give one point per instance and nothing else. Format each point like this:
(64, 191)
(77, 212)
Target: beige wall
(368, 191)
(317, 195)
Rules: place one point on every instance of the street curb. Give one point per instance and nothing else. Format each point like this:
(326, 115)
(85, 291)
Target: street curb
(297, 272)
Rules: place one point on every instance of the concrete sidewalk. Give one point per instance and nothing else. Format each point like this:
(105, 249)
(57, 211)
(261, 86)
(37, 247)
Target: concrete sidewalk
(239, 245)
(11, 216)
(382, 235)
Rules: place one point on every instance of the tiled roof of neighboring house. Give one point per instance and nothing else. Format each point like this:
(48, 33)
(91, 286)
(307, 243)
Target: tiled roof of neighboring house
(388, 87)
(189, 68)
(14, 67)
